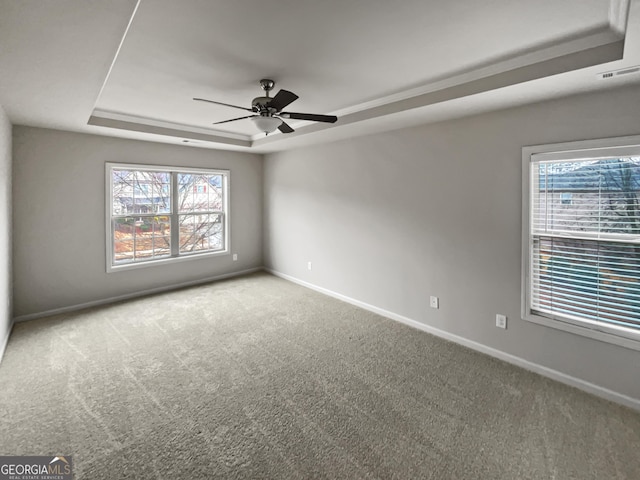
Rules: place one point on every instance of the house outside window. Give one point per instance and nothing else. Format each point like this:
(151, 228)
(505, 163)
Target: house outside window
(159, 214)
(581, 238)
(566, 198)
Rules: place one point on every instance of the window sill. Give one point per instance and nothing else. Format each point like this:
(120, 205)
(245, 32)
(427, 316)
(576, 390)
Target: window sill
(165, 261)
(585, 331)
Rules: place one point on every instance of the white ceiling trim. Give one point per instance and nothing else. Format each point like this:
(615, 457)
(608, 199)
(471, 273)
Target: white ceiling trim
(619, 15)
(115, 57)
(166, 131)
(151, 122)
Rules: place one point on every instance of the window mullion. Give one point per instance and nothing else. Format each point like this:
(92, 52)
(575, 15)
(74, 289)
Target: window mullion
(175, 224)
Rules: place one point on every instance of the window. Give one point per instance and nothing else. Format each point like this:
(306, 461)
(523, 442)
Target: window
(159, 214)
(582, 238)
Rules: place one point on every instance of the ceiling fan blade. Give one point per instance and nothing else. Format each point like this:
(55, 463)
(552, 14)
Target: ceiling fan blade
(310, 116)
(282, 99)
(234, 119)
(285, 128)
(225, 104)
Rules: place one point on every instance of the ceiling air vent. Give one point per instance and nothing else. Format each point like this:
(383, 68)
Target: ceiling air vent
(617, 73)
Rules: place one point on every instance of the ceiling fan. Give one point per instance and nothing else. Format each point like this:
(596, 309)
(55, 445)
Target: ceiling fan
(267, 112)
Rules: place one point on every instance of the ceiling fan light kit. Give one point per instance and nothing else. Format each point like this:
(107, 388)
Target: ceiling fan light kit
(267, 111)
(267, 124)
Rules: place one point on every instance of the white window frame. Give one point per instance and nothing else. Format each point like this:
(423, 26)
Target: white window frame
(176, 256)
(581, 150)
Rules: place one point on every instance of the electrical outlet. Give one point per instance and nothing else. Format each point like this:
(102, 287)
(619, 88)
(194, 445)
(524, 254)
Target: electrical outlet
(501, 321)
(235, 257)
(434, 302)
(308, 265)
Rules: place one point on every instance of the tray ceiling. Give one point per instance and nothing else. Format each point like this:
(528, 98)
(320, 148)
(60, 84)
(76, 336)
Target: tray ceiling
(368, 61)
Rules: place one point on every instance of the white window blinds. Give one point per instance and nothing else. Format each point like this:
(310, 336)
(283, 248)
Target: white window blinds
(585, 241)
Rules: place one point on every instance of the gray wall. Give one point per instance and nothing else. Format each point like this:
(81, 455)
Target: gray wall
(5, 228)
(59, 217)
(436, 210)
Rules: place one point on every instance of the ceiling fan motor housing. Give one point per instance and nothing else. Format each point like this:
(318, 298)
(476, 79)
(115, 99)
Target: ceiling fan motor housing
(260, 105)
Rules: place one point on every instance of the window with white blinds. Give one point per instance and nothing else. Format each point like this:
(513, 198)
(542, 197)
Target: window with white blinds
(583, 243)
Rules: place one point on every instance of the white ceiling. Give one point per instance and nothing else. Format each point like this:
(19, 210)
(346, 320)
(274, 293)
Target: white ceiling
(132, 69)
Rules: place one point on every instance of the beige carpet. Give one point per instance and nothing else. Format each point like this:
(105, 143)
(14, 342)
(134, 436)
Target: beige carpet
(259, 378)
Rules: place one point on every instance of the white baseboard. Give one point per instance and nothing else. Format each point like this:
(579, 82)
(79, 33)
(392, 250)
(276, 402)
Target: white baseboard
(520, 362)
(128, 296)
(5, 341)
